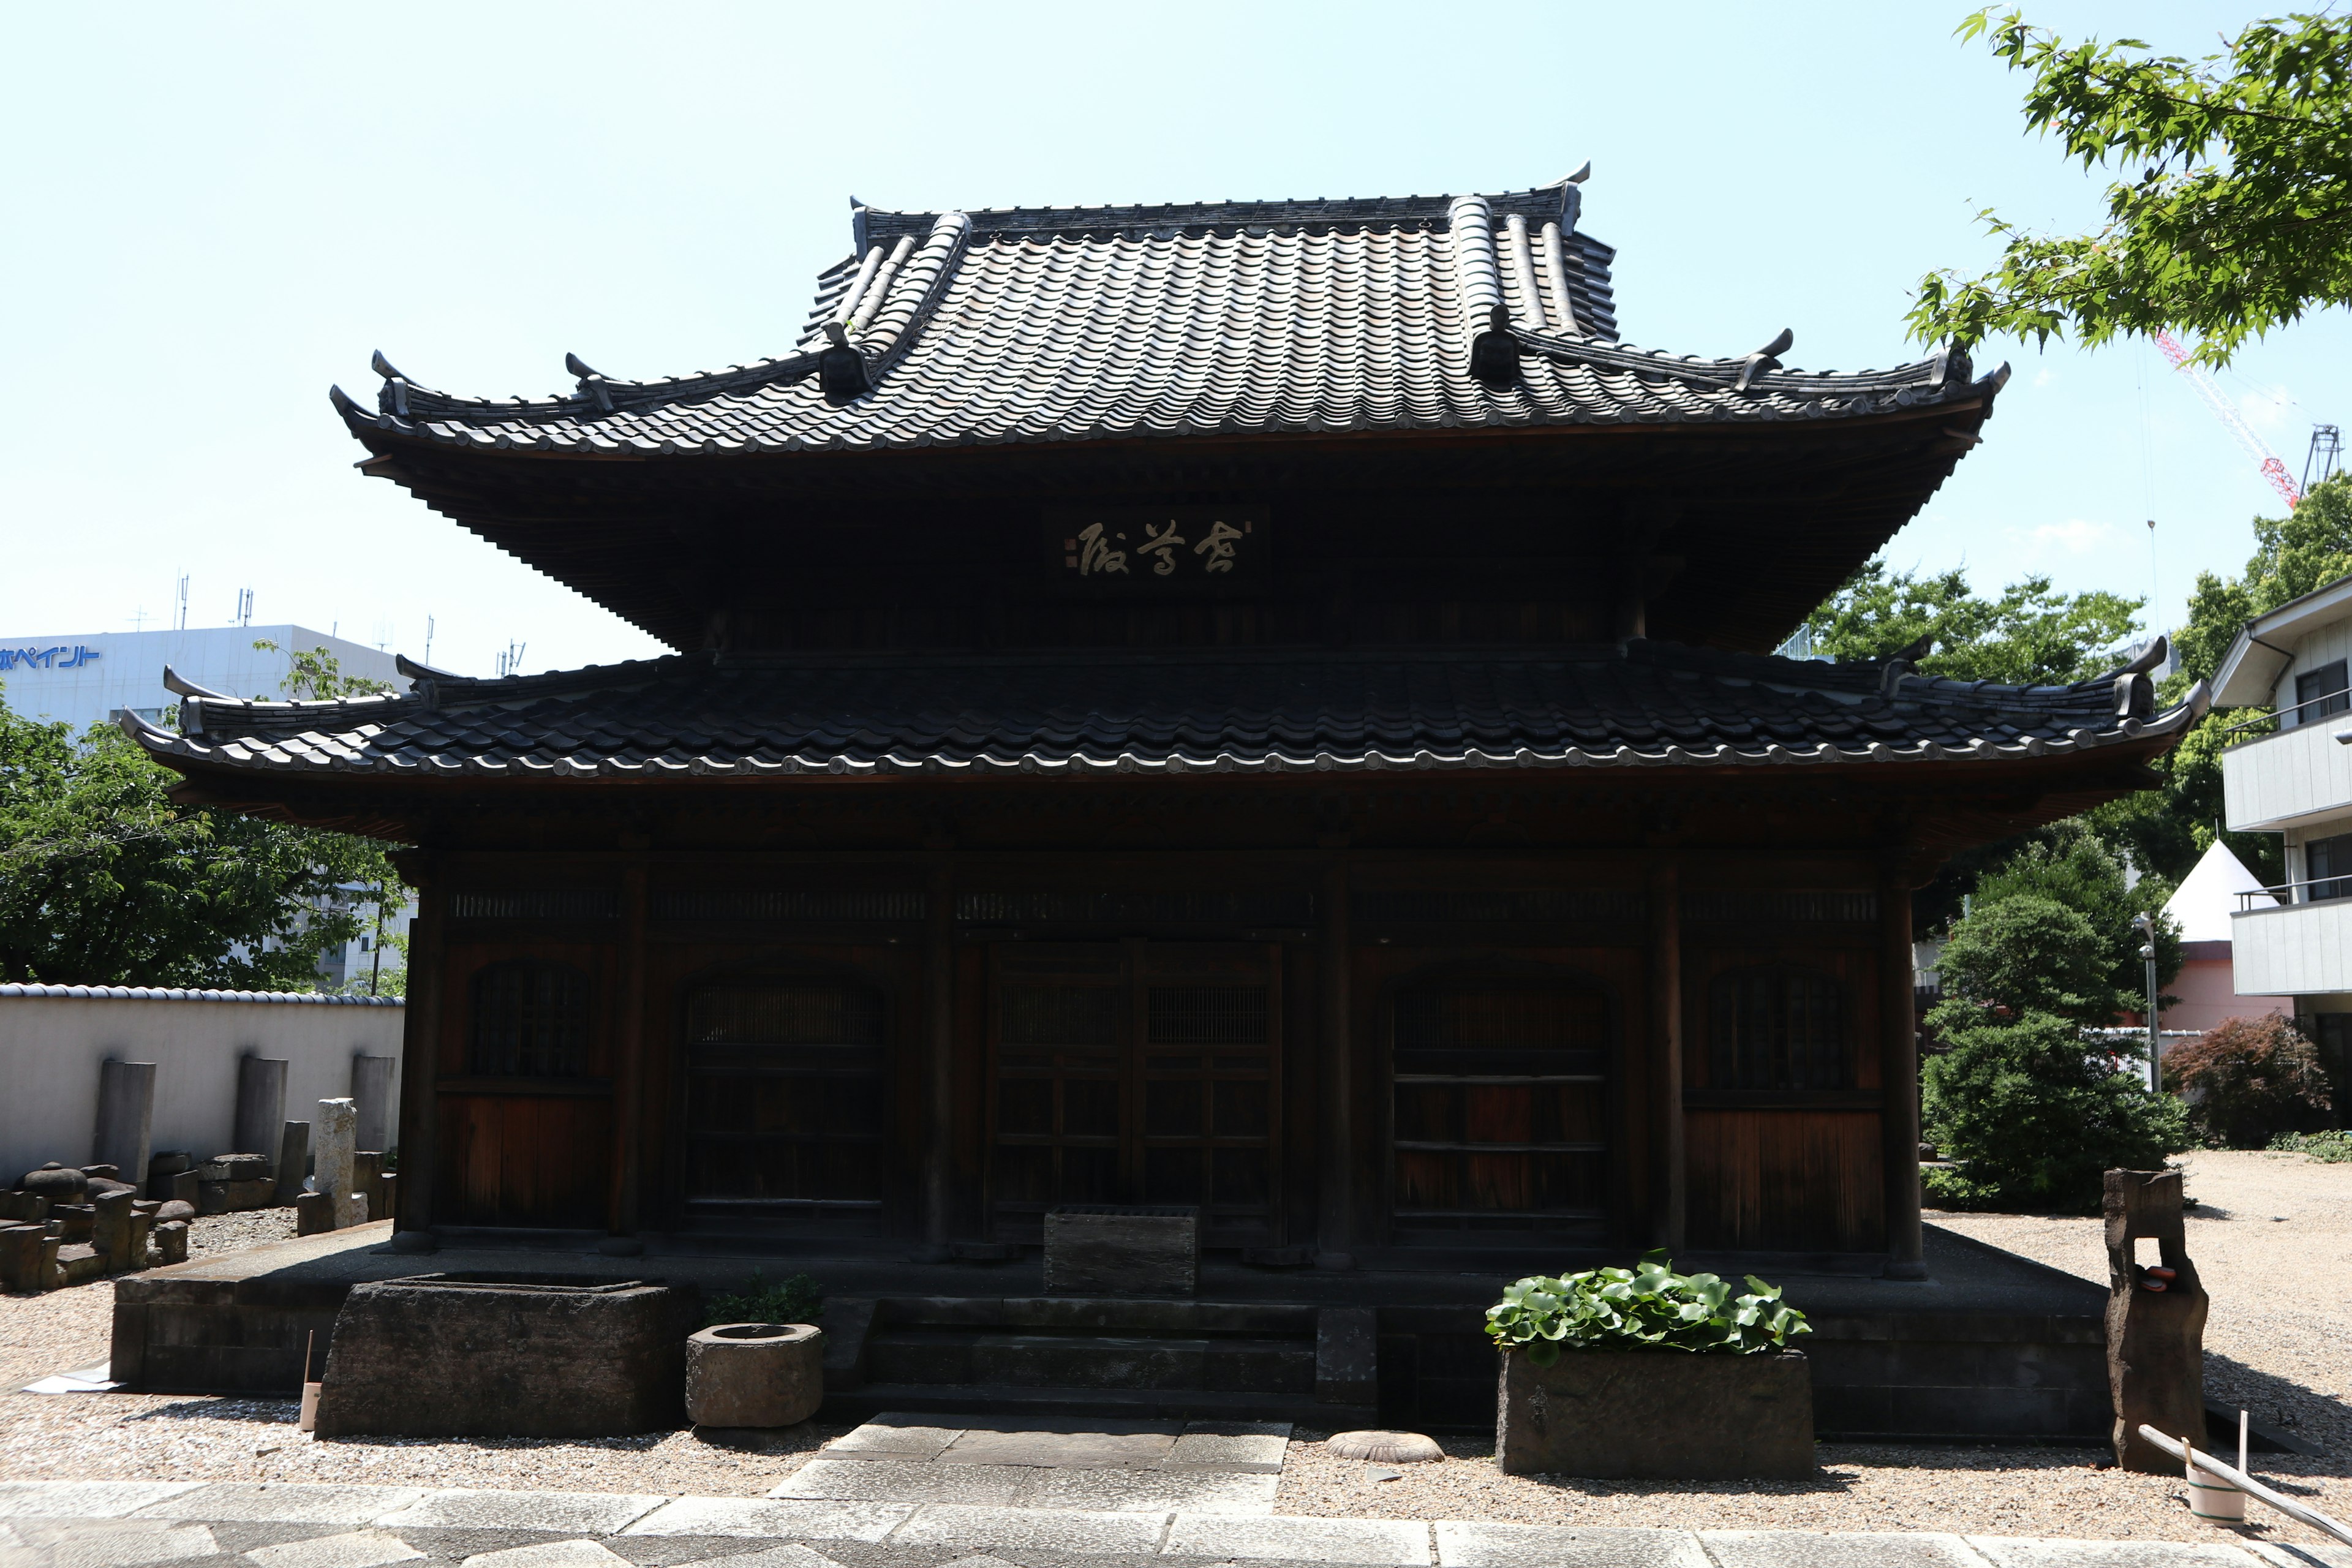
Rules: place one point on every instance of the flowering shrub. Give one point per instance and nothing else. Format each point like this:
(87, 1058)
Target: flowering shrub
(1648, 1308)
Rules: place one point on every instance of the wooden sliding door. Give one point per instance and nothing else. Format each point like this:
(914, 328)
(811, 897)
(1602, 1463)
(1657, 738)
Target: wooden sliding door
(1135, 1073)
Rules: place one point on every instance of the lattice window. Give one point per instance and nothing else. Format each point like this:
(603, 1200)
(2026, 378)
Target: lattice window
(1778, 1028)
(530, 1020)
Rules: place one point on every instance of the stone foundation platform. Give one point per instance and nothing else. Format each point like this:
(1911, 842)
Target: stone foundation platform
(1992, 1348)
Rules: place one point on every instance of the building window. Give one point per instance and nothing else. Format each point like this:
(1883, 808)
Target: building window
(530, 1020)
(2320, 692)
(1778, 1030)
(2327, 869)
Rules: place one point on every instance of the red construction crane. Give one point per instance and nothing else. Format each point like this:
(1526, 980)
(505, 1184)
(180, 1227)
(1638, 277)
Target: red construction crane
(2272, 470)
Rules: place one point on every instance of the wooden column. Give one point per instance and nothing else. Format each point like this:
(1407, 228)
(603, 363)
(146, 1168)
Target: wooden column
(420, 1051)
(629, 1074)
(938, 1043)
(1898, 1068)
(1335, 1164)
(1668, 1200)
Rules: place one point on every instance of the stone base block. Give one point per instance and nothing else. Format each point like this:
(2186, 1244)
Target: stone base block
(235, 1197)
(314, 1214)
(1657, 1415)
(235, 1168)
(540, 1355)
(21, 1259)
(1102, 1250)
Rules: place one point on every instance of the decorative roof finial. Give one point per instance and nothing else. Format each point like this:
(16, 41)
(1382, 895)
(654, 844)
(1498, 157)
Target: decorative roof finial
(1764, 359)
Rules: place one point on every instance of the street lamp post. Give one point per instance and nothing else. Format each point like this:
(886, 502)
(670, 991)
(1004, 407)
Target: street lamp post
(2146, 926)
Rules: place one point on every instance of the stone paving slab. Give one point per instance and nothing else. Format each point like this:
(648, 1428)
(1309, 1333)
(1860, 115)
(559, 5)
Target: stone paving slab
(566, 1513)
(549, 1554)
(1154, 1491)
(2025, 1551)
(1477, 1544)
(1088, 1449)
(791, 1554)
(901, 1480)
(1393, 1544)
(285, 1502)
(111, 1543)
(1034, 1530)
(1807, 1549)
(84, 1499)
(49, 1524)
(806, 1521)
(2285, 1556)
(897, 1434)
(354, 1549)
(1256, 1448)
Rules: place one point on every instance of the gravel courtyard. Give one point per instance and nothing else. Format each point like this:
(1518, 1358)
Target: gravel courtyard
(2271, 1233)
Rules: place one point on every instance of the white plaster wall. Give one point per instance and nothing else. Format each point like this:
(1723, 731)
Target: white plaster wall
(51, 1046)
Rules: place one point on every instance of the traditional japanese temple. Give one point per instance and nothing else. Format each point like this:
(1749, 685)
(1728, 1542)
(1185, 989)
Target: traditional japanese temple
(1261, 706)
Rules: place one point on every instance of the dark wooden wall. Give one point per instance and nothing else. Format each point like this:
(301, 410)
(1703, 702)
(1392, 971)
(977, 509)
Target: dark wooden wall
(1764, 1170)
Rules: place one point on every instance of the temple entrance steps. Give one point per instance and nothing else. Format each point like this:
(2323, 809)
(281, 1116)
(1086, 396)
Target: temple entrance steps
(1162, 1360)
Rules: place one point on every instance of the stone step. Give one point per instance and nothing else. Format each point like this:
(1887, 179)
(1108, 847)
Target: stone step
(1145, 1404)
(1097, 1314)
(1232, 1364)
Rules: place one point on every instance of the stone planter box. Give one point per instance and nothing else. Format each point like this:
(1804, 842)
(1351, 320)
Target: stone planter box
(754, 1374)
(1656, 1415)
(1099, 1249)
(515, 1355)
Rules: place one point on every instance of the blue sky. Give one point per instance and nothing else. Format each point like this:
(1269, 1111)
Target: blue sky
(213, 212)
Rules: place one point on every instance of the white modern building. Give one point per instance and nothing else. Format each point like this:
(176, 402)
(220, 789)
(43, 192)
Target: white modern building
(2295, 939)
(89, 677)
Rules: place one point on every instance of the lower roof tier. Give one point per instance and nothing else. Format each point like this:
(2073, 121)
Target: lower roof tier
(1637, 704)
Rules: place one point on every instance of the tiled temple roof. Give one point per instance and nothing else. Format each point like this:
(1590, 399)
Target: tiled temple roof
(1065, 324)
(1644, 704)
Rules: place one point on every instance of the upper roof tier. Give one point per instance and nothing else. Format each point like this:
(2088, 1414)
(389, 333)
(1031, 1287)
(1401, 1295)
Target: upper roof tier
(1090, 323)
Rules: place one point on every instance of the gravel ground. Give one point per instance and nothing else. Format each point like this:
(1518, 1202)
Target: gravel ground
(189, 1438)
(2263, 1225)
(2264, 1229)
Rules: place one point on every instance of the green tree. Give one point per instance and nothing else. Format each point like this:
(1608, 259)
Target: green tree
(2229, 212)
(2306, 550)
(2069, 864)
(2034, 1110)
(104, 881)
(2031, 634)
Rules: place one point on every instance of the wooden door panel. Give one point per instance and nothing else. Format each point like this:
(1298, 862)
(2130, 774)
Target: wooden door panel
(1135, 1074)
(1500, 1111)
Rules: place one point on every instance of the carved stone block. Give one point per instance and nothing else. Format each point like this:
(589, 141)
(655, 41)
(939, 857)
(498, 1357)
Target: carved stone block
(1102, 1250)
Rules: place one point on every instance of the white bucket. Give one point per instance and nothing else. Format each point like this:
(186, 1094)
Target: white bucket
(2211, 1496)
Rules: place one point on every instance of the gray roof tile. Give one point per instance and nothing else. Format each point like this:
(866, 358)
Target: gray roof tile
(1086, 323)
(1645, 704)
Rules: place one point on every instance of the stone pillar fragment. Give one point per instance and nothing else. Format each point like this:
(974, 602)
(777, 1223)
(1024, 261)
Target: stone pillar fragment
(333, 1132)
(293, 1161)
(371, 1095)
(260, 1103)
(172, 1240)
(110, 1230)
(20, 1258)
(161, 1170)
(126, 1115)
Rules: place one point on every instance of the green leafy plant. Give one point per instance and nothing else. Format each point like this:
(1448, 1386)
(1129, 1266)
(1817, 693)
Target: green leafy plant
(794, 1301)
(1647, 1308)
(2333, 1147)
